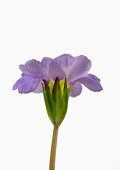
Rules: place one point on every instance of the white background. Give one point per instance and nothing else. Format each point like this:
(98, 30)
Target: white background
(89, 138)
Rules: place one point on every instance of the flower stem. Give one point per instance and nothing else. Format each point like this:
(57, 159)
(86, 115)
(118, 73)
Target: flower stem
(53, 148)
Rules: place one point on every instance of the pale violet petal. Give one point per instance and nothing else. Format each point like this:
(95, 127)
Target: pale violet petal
(76, 89)
(27, 84)
(91, 82)
(79, 68)
(55, 71)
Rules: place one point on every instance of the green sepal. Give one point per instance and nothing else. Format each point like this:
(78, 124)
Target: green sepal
(48, 101)
(56, 95)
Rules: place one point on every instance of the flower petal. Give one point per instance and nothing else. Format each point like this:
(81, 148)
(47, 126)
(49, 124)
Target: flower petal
(39, 88)
(24, 70)
(76, 89)
(46, 61)
(31, 67)
(55, 71)
(45, 67)
(91, 82)
(79, 68)
(18, 82)
(65, 60)
(27, 84)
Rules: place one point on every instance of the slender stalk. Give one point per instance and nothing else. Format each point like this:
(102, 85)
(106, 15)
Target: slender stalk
(53, 148)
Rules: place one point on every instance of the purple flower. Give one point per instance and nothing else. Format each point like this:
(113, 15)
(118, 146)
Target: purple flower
(74, 69)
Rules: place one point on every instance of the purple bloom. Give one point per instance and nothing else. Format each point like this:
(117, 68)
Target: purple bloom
(74, 69)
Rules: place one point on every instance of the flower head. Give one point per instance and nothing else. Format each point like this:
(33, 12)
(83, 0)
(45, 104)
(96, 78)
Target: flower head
(58, 79)
(74, 69)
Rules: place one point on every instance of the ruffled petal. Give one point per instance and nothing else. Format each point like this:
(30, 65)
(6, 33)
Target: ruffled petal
(76, 89)
(46, 61)
(18, 82)
(31, 67)
(79, 68)
(27, 84)
(24, 70)
(65, 61)
(91, 82)
(39, 88)
(45, 67)
(55, 71)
